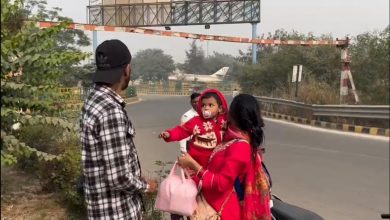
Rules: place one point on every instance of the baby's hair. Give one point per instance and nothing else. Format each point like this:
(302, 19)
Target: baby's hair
(212, 95)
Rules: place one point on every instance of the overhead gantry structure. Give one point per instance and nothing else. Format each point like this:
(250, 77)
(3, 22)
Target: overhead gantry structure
(347, 85)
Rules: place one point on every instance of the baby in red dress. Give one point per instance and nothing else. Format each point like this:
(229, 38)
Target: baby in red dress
(207, 129)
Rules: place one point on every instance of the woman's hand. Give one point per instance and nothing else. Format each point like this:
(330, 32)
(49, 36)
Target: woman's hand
(186, 161)
(190, 172)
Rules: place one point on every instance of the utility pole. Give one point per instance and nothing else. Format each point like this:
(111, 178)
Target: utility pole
(254, 46)
(94, 41)
(207, 52)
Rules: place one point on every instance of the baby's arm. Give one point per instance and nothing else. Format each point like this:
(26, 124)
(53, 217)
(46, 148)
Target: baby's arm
(179, 132)
(164, 134)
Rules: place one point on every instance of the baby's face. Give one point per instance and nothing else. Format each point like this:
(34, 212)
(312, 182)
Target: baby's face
(210, 107)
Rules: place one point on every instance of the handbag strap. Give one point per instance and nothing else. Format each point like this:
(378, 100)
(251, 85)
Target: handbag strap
(173, 170)
(183, 172)
(224, 202)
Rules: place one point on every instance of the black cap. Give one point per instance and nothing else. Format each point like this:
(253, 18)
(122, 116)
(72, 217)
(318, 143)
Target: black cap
(111, 56)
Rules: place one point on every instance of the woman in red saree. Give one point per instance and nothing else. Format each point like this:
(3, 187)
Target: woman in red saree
(238, 157)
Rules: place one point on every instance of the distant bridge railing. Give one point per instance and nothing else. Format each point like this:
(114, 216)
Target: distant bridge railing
(350, 111)
(377, 115)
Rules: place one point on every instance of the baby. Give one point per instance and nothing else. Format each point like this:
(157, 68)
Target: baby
(207, 129)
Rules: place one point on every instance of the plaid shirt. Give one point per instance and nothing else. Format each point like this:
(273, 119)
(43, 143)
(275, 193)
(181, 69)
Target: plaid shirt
(113, 185)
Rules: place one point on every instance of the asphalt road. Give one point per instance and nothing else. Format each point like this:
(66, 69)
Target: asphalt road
(336, 175)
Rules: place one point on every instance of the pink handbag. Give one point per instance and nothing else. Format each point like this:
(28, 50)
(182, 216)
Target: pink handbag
(177, 194)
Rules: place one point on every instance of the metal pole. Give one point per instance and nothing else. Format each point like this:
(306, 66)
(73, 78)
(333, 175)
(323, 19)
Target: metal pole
(94, 40)
(254, 46)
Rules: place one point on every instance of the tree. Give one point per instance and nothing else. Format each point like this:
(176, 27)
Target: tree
(28, 57)
(78, 74)
(152, 65)
(370, 66)
(370, 55)
(272, 74)
(65, 42)
(195, 62)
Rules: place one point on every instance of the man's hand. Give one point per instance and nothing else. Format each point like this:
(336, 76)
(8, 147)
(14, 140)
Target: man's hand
(152, 186)
(164, 134)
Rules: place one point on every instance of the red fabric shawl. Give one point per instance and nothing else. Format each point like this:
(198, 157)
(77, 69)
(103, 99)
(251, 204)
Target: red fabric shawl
(257, 197)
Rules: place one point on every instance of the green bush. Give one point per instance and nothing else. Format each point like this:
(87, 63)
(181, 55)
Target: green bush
(131, 91)
(150, 211)
(61, 176)
(42, 137)
(150, 198)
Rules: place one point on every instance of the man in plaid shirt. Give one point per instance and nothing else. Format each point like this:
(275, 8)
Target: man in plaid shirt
(113, 184)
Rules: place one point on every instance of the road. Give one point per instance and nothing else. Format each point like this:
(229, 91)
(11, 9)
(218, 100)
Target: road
(335, 175)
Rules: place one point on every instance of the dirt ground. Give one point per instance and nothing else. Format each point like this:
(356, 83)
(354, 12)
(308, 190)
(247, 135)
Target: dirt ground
(22, 197)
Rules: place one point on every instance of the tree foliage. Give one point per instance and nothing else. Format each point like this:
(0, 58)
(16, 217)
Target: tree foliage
(31, 65)
(370, 54)
(152, 65)
(54, 56)
(273, 72)
(195, 62)
(321, 64)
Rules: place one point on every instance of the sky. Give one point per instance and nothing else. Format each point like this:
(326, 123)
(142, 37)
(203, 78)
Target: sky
(340, 18)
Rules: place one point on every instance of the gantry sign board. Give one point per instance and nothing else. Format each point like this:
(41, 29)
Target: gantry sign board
(144, 13)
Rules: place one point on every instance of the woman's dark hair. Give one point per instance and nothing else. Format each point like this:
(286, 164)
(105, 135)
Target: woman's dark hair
(194, 95)
(246, 115)
(213, 95)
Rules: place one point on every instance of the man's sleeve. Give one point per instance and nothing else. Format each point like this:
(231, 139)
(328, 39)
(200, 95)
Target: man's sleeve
(116, 153)
(183, 143)
(184, 118)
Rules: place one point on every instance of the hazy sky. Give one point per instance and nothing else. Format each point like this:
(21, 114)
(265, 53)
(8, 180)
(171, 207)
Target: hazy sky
(339, 17)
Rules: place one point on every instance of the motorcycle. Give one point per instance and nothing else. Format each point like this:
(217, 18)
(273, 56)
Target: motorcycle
(284, 211)
(281, 210)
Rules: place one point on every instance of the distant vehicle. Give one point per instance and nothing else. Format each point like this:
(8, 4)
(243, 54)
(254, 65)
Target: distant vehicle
(215, 77)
